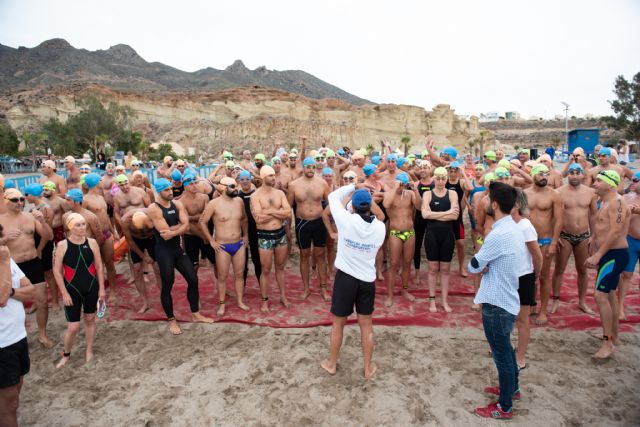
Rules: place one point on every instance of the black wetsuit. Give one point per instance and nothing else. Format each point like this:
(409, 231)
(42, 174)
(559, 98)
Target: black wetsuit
(439, 240)
(458, 227)
(253, 237)
(420, 226)
(170, 256)
(80, 280)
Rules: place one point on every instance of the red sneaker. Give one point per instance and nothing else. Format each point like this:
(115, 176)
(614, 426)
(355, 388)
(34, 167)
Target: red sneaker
(496, 391)
(494, 411)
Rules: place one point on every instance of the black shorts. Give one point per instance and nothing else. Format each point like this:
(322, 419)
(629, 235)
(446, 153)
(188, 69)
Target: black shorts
(47, 256)
(110, 210)
(439, 243)
(195, 248)
(527, 289)
(349, 291)
(85, 300)
(311, 231)
(33, 269)
(144, 244)
(14, 363)
(458, 229)
(609, 269)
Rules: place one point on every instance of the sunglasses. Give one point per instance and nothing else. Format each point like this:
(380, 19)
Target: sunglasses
(231, 186)
(180, 166)
(349, 178)
(123, 183)
(17, 200)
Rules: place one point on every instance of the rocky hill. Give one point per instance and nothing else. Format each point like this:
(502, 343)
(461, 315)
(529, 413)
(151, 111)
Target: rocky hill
(56, 63)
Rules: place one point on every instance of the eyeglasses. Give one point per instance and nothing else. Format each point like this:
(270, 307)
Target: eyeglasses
(17, 200)
(319, 158)
(503, 175)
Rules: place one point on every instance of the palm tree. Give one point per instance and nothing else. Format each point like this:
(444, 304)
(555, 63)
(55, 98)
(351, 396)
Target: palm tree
(405, 140)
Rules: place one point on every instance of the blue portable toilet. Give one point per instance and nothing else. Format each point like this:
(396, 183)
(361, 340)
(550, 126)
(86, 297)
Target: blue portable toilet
(585, 138)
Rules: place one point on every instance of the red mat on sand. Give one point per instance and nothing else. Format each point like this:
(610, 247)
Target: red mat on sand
(314, 311)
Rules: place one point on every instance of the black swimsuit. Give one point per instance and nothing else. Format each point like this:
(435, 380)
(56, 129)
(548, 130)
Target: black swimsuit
(80, 280)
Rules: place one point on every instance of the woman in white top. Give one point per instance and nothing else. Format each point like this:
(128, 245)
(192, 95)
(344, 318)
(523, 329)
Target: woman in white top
(623, 152)
(529, 272)
(14, 350)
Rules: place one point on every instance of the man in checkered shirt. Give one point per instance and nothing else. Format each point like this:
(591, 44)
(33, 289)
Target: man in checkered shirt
(499, 258)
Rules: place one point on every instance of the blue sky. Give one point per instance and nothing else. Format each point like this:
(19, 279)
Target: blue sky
(477, 56)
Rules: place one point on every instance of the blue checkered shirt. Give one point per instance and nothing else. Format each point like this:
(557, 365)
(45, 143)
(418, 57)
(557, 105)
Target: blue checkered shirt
(500, 253)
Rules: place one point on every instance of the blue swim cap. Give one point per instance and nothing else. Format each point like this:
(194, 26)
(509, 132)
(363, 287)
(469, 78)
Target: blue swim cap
(605, 151)
(455, 165)
(636, 175)
(188, 179)
(403, 178)
(451, 151)
(401, 161)
(91, 179)
(75, 194)
(376, 160)
(308, 161)
(361, 199)
(369, 169)
(162, 184)
(244, 174)
(340, 151)
(392, 156)
(577, 166)
(176, 175)
(8, 183)
(327, 171)
(34, 190)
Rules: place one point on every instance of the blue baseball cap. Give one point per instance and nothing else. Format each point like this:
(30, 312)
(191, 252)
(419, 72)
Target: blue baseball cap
(91, 179)
(244, 174)
(577, 166)
(162, 184)
(361, 199)
(176, 175)
(308, 161)
(392, 156)
(401, 161)
(327, 171)
(369, 169)
(605, 151)
(75, 194)
(376, 160)
(403, 178)
(451, 151)
(34, 190)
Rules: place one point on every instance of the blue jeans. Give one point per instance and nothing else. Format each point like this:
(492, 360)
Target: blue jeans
(498, 324)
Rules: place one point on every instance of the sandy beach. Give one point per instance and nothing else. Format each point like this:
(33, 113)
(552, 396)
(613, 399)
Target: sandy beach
(230, 374)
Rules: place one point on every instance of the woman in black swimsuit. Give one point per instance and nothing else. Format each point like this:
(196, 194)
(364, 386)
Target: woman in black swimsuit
(79, 274)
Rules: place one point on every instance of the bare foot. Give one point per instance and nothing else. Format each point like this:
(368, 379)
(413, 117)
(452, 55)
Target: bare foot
(144, 308)
(447, 307)
(585, 308)
(264, 307)
(554, 306)
(242, 306)
(325, 294)
(88, 356)
(199, 318)
(432, 307)
(220, 311)
(605, 351)
(327, 366)
(407, 295)
(305, 295)
(174, 328)
(622, 316)
(380, 276)
(63, 361)
(285, 302)
(45, 342)
(541, 319)
(617, 342)
(371, 372)
(464, 273)
(475, 307)
(388, 301)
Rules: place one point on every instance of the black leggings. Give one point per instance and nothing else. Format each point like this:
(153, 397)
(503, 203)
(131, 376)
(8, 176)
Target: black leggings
(420, 227)
(255, 256)
(170, 259)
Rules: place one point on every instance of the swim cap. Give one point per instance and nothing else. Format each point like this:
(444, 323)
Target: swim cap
(229, 164)
(227, 155)
(504, 163)
(539, 169)
(49, 164)
(544, 158)
(579, 151)
(376, 160)
(138, 219)
(530, 164)
(122, 179)
(85, 168)
(176, 175)
(245, 174)
(75, 194)
(161, 184)
(636, 175)
(361, 199)
(440, 171)
(391, 156)
(330, 153)
(49, 185)
(93, 179)
(451, 151)
(454, 165)
(327, 171)
(189, 179)
(491, 155)
(265, 171)
(34, 190)
(349, 174)
(179, 162)
(577, 166)
(227, 181)
(276, 159)
(73, 219)
(524, 151)
(369, 169)
(167, 159)
(489, 178)
(12, 193)
(401, 161)
(340, 152)
(294, 151)
(501, 172)
(479, 166)
(9, 184)
(610, 177)
(605, 151)
(69, 159)
(424, 163)
(136, 173)
(357, 156)
(308, 161)
(260, 156)
(403, 178)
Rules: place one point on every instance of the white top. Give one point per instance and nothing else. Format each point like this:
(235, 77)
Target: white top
(12, 316)
(358, 240)
(530, 235)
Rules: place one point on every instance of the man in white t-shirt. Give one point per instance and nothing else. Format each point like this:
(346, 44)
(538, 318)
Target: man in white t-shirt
(360, 235)
(14, 351)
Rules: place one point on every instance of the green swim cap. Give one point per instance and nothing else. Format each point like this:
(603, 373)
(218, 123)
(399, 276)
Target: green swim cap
(49, 185)
(122, 179)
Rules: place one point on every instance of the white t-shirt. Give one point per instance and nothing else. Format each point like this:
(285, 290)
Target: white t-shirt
(12, 315)
(530, 235)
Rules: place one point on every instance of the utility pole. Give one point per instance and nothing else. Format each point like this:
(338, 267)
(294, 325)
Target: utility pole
(566, 117)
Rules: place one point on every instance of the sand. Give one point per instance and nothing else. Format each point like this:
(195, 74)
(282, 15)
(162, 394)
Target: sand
(230, 374)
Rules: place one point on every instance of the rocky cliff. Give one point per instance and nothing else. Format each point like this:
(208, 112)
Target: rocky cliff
(247, 117)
